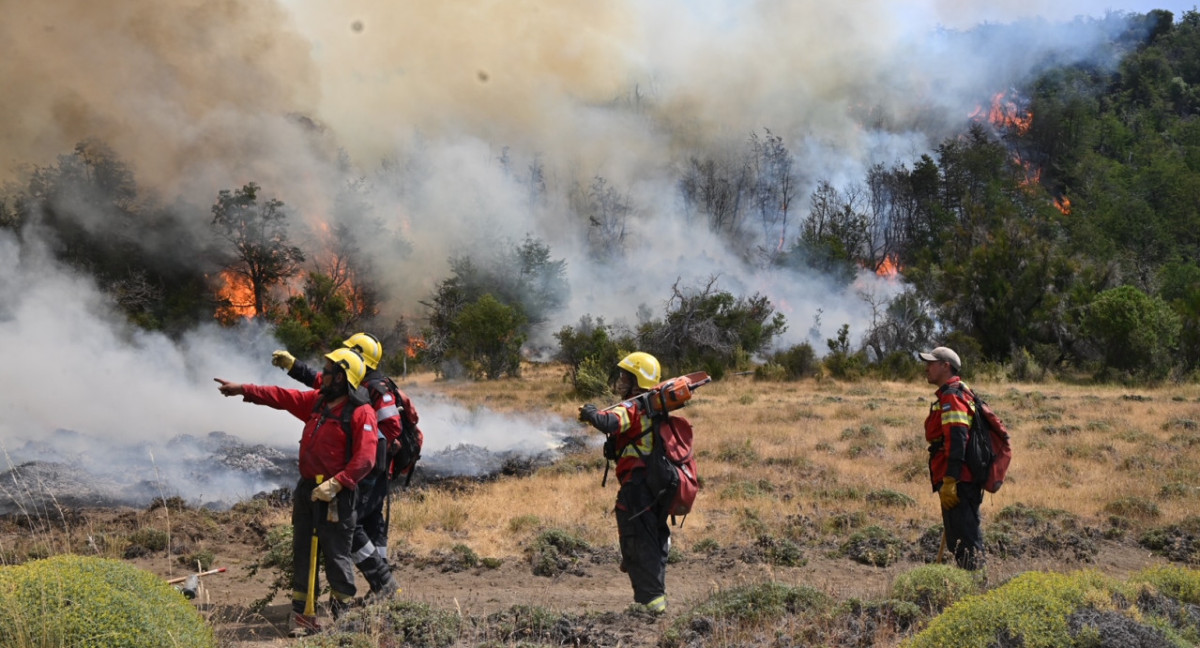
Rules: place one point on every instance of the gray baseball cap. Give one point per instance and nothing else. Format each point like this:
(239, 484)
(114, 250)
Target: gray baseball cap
(943, 354)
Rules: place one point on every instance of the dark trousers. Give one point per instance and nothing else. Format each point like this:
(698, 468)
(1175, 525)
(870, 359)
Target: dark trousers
(333, 542)
(645, 538)
(964, 536)
(372, 531)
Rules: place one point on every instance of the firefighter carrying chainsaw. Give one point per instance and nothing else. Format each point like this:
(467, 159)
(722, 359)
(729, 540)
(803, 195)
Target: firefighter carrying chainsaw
(655, 468)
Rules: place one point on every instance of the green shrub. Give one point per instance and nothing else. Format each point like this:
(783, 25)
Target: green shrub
(1134, 507)
(73, 600)
(739, 453)
(149, 538)
(889, 497)
(555, 551)
(747, 606)
(404, 623)
(591, 378)
(1135, 332)
(1179, 541)
(793, 363)
(524, 523)
(1053, 610)
(873, 545)
(934, 588)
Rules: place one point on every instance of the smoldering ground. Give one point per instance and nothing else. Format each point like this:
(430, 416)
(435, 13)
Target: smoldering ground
(104, 413)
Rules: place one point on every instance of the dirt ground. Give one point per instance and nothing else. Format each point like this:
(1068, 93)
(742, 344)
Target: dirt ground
(597, 588)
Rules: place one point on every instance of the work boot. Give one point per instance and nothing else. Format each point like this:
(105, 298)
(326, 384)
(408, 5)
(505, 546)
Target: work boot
(302, 625)
(387, 590)
(337, 607)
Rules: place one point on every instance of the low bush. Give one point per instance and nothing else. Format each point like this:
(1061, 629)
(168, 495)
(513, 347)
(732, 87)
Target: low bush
(71, 600)
(744, 607)
(934, 588)
(1082, 608)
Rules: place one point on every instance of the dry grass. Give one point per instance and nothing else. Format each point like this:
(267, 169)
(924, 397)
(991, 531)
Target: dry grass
(825, 450)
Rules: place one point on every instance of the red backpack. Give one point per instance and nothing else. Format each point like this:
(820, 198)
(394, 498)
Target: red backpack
(671, 465)
(676, 437)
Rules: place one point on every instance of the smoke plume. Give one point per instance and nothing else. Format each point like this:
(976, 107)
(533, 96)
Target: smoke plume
(463, 127)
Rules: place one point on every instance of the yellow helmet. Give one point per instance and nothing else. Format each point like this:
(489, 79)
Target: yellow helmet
(368, 345)
(644, 367)
(352, 363)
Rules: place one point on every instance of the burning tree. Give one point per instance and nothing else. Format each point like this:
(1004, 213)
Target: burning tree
(262, 255)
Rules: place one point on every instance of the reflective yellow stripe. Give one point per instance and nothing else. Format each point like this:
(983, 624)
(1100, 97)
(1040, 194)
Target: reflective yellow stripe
(951, 418)
(645, 442)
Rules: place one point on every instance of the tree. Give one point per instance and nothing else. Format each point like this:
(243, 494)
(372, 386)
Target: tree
(711, 328)
(487, 338)
(258, 235)
(716, 189)
(773, 187)
(607, 212)
(317, 319)
(590, 341)
(1135, 333)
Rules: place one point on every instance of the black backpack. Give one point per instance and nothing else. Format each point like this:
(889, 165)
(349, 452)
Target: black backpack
(989, 447)
(411, 438)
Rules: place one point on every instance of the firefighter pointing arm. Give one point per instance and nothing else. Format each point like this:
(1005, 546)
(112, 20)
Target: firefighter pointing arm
(369, 548)
(645, 537)
(334, 457)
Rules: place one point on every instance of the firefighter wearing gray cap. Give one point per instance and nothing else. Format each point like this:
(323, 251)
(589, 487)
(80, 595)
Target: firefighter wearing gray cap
(946, 430)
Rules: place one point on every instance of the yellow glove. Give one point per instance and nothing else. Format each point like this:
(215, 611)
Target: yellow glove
(949, 493)
(283, 360)
(326, 490)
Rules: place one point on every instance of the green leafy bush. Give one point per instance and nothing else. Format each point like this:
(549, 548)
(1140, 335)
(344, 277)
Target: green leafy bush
(555, 551)
(873, 545)
(934, 588)
(1134, 331)
(1052, 610)
(73, 600)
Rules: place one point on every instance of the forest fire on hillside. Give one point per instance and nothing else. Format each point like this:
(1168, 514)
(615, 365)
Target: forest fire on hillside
(889, 268)
(1063, 204)
(236, 295)
(1005, 114)
(415, 344)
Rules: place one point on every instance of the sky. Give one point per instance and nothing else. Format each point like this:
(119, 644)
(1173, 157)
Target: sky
(419, 102)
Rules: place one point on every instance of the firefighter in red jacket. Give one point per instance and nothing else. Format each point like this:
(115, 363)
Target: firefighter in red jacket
(645, 538)
(369, 550)
(946, 430)
(342, 461)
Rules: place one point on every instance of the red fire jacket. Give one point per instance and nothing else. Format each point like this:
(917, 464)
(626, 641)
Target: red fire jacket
(631, 425)
(946, 430)
(323, 443)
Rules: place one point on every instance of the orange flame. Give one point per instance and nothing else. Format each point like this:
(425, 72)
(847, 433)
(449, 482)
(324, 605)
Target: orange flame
(888, 268)
(237, 297)
(1063, 204)
(415, 344)
(1005, 114)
